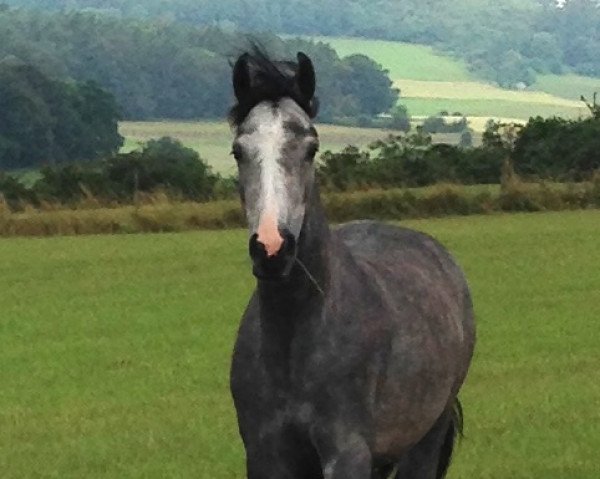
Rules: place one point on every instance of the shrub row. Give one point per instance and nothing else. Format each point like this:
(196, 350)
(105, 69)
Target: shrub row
(159, 213)
(547, 148)
(161, 164)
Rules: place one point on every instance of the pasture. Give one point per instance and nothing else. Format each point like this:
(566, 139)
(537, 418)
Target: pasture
(115, 351)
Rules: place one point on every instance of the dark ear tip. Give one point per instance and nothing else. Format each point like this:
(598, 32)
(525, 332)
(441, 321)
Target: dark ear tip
(242, 59)
(302, 57)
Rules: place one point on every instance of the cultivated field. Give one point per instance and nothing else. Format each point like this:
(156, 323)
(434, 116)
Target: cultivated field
(115, 351)
(212, 139)
(431, 82)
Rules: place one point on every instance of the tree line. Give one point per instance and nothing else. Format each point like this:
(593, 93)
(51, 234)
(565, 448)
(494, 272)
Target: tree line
(161, 69)
(508, 42)
(543, 149)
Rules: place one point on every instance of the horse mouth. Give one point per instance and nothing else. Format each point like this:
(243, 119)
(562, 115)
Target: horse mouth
(270, 277)
(273, 268)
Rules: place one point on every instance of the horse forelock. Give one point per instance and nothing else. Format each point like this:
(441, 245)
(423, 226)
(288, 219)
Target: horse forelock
(271, 81)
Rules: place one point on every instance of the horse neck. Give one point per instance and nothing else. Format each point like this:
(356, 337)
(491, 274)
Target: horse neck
(308, 281)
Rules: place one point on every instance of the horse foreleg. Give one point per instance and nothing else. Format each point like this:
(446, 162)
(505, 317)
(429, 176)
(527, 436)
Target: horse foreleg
(280, 454)
(350, 459)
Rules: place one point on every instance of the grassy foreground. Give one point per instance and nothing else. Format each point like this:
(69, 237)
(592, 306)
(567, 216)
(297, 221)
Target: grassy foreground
(115, 351)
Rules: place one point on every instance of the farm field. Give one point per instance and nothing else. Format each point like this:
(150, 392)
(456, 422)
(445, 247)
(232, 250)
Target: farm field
(212, 139)
(404, 60)
(115, 351)
(568, 86)
(430, 82)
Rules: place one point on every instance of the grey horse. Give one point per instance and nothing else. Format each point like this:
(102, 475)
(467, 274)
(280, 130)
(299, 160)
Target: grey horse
(357, 339)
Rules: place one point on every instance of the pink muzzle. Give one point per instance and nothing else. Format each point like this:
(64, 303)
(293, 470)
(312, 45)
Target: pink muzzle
(268, 234)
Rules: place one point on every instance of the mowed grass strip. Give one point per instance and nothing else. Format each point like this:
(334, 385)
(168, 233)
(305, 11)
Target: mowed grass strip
(115, 351)
(475, 99)
(476, 90)
(489, 108)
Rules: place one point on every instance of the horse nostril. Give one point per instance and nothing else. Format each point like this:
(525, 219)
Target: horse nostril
(256, 249)
(263, 248)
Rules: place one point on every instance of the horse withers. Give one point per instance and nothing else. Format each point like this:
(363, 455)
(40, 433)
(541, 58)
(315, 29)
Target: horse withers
(357, 339)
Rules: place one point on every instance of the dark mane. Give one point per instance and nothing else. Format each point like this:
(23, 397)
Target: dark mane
(270, 81)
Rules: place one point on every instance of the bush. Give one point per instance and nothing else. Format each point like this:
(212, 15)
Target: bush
(13, 192)
(163, 163)
(409, 161)
(437, 124)
(47, 121)
(558, 148)
(400, 119)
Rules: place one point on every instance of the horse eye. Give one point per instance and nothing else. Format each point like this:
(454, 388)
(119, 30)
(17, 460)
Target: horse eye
(236, 151)
(312, 152)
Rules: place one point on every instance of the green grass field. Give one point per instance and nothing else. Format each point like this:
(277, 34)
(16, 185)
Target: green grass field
(431, 81)
(404, 60)
(568, 86)
(115, 351)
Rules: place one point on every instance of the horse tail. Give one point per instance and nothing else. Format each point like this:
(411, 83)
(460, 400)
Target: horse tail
(454, 431)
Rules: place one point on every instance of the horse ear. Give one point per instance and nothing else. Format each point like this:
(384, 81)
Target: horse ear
(305, 78)
(241, 77)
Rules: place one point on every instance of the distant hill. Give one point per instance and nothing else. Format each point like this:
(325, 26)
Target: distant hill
(509, 41)
(172, 70)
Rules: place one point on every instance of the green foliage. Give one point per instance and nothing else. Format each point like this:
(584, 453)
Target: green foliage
(68, 183)
(362, 79)
(410, 160)
(437, 124)
(558, 148)
(400, 119)
(507, 42)
(13, 191)
(551, 148)
(341, 171)
(163, 164)
(47, 121)
(161, 69)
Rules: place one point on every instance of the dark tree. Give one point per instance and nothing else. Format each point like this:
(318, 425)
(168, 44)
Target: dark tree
(47, 121)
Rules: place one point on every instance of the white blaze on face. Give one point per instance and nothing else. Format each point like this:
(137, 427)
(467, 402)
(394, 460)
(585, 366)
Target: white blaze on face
(268, 138)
